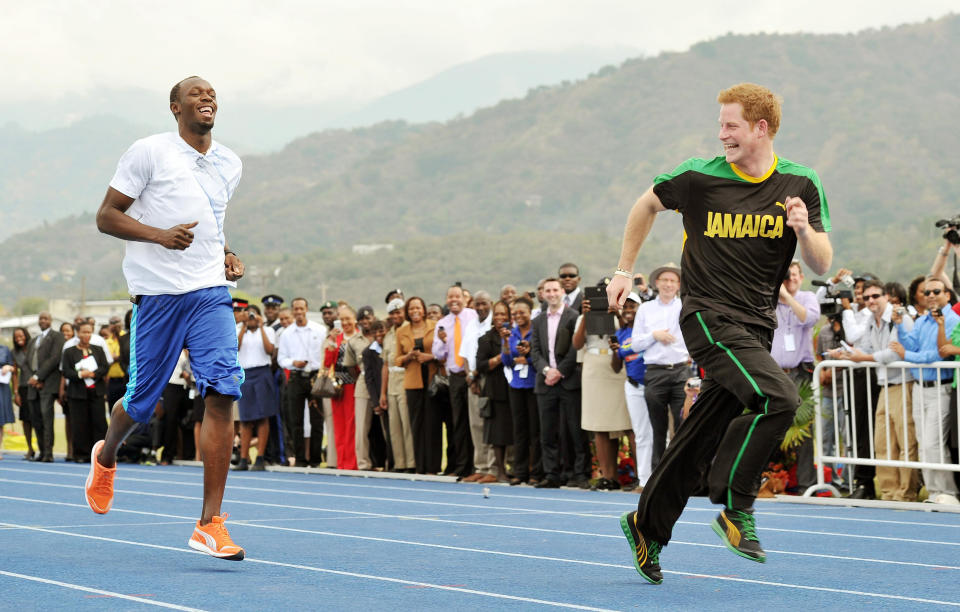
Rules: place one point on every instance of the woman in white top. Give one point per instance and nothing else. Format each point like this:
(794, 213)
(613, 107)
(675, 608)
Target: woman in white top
(258, 403)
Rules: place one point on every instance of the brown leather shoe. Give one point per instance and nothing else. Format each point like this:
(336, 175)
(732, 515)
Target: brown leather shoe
(487, 479)
(472, 477)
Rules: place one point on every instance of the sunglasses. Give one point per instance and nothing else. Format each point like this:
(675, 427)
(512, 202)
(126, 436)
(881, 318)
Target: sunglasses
(933, 291)
(568, 276)
(872, 296)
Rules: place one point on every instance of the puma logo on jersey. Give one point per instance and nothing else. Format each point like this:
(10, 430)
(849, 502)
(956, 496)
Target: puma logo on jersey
(781, 205)
(728, 225)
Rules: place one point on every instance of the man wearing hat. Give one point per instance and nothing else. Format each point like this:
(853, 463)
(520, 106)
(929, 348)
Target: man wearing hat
(656, 333)
(328, 312)
(393, 294)
(393, 399)
(745, 213)
(271, 310)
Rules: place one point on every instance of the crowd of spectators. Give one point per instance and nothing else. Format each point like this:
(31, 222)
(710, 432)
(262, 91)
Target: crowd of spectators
(547, 388)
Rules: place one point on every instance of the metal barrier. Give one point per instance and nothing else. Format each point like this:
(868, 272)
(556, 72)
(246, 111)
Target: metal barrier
(845, 444)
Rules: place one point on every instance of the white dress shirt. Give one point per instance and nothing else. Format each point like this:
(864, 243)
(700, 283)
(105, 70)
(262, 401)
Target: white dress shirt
(652, 316)
(855, 324)
(302, 344)
(570, 298)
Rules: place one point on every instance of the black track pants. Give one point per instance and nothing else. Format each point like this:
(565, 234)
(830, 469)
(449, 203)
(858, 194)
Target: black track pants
(740, 373)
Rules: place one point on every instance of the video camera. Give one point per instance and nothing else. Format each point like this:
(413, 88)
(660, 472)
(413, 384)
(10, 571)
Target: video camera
(952, 226)
(830, 301)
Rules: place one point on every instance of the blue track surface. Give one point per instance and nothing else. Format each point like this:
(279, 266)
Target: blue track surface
(331, 542)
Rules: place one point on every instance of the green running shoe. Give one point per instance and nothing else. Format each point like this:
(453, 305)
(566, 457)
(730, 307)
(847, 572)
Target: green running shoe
(738, 530)
(646, 553)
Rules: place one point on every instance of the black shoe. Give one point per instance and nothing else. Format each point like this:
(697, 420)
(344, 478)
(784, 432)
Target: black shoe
(646, 553)
(47, 459)
(862, 491)
(242, 466)
(235, 456)
(547, 483)
(516, 481)
(605, 484)
(258, 465)
(738, 530)
(581, 482)
(30, 456)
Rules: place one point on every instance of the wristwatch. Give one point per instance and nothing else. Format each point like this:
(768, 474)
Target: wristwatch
(546, 369)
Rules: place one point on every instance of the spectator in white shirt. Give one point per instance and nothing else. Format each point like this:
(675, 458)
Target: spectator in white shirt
(301, 352)
(258, 401)
(656, 332)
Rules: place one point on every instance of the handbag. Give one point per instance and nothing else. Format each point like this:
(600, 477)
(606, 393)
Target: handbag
(325, 385)
(440, 383)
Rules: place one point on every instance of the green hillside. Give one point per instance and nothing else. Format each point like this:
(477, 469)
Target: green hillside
(871, 112)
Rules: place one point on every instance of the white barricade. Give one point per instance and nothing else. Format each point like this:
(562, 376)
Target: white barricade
(929, 422)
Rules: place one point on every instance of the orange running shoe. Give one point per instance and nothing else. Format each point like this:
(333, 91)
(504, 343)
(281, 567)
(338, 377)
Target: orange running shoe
(99, 486)
(214, 540)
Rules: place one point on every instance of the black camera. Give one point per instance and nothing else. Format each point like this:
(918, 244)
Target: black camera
(830, 302)
(952, 226)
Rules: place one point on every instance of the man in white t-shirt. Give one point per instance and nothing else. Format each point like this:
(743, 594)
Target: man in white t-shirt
(168, 200)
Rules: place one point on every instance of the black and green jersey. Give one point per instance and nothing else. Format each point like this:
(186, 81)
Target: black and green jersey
(737, 246)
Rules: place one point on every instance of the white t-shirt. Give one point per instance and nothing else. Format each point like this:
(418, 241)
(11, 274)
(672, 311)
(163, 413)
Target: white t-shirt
(252, 354)
(172, 183)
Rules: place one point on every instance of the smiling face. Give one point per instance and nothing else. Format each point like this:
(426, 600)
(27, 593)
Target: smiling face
(875, 299)
(455, 299)
(500, 315)
(19, 338)
(668, 283)
(936, 294)
(553, 294)
(742, 143)
(196, 106)
(629, 313)
(44, 320)
(794, 279)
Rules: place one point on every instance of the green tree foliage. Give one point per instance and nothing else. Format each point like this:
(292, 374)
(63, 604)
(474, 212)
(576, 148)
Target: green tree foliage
(505, 194)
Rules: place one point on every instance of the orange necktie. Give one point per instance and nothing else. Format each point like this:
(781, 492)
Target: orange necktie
(457, 335)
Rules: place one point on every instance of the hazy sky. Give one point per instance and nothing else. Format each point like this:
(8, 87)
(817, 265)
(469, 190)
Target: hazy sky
(294, 51)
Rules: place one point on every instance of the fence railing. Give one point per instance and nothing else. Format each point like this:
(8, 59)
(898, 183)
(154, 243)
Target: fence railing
(929, 421)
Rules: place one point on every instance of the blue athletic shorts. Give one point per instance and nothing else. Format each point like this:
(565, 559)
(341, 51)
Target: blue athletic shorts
(161, 326)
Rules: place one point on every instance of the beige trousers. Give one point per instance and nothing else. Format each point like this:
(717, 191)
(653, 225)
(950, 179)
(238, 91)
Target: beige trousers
(896, 484)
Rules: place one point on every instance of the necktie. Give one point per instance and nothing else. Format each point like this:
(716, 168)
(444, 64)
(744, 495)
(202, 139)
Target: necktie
(457, 336)
(34, 357)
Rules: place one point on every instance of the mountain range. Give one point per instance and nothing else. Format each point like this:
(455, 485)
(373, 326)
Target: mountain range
(510, 191)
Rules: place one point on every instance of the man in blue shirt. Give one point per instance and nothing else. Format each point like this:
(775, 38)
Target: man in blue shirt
(931, 401)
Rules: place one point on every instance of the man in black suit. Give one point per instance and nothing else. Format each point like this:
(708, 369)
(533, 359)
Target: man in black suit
(569, 275)
(43, 354)
(558, 386)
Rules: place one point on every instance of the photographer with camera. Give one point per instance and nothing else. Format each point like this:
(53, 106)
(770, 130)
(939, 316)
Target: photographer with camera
(895, 387)
(258, 402)
(931, 402)
(792, 349)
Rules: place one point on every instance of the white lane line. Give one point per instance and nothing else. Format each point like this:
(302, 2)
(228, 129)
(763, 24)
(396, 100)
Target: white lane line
(500, 553)
(474, 492)
(255, 523)
(231, 489)
(79, 587)
(441, 587)
(451, 504)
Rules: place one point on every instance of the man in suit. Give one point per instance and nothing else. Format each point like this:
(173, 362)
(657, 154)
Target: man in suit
(569, 275)
(43, 354)
(558, 386)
